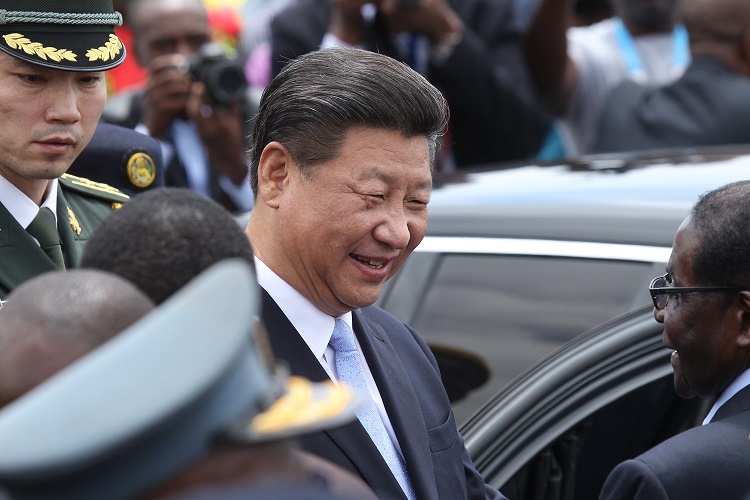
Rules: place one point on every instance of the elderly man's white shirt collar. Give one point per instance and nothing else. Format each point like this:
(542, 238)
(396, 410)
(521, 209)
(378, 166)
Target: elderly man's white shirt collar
(736, 386)
(314, 326)
(20, 206)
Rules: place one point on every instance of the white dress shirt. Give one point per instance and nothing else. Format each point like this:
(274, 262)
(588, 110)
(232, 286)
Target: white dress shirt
(21, 207)
(316, 327)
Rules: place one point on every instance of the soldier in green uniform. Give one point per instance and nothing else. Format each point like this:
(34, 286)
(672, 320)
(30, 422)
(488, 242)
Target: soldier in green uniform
(53, 55)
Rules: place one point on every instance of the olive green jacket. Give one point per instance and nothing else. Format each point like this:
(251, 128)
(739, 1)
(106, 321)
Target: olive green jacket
(81, 206)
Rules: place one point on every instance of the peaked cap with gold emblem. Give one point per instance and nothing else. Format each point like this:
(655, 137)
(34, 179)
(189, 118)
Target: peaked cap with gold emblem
(71, 35)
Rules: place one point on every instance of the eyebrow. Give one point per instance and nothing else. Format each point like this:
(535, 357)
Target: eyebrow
(385, 177)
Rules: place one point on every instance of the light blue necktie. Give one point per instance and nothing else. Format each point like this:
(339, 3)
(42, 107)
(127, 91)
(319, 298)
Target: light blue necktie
(349, 369)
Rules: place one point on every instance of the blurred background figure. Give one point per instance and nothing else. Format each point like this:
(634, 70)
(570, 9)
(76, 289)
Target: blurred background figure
(165, 238)
(708, 105)
(130, 73)
(195, 101)
(182, 401)
(255, 38)
(55, 318)
(585, 12)
(576, 69)
(469, 49)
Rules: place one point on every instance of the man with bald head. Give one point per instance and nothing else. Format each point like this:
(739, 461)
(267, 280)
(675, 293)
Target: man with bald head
(703, 301)
(709, 105)
(55, 318)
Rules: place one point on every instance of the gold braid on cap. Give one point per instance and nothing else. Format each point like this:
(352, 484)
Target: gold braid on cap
(21, 16)
(17, 41)
(20, 42)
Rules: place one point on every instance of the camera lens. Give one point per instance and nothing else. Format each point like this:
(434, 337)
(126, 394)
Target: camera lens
(226, 82)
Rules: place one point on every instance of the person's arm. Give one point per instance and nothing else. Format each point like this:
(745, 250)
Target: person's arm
(167, 91)
(221, 132)
(546, 49)
(495, 113)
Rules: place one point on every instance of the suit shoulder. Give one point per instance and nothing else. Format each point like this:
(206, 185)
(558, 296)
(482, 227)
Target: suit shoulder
(90, 189)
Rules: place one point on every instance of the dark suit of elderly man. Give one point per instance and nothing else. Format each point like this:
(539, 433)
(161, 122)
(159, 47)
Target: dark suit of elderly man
(342, 153)
(704, 303)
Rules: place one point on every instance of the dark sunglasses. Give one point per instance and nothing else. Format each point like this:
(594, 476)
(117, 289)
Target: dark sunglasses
(660, 290)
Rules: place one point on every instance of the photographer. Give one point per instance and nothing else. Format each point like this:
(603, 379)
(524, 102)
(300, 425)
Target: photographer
(201, 129)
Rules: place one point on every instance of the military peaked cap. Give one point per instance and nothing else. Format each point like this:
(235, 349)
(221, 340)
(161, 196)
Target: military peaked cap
(67, 35)
(122, 158)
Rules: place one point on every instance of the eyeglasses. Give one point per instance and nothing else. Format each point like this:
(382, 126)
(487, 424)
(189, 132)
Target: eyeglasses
(660, 290)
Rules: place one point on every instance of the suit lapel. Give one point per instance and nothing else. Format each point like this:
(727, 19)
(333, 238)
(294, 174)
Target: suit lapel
(20, 256)
(400, 401)
(351, 439)
(738, 403)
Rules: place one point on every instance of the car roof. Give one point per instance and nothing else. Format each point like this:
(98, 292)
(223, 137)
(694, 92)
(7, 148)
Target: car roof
(633, 199)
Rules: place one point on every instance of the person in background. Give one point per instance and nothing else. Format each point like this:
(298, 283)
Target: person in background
(709, 105)
(202, 139)
(53, 57)
(704, 304)
(342, 154)
(576, 69)
(469, 49)
(255, 38)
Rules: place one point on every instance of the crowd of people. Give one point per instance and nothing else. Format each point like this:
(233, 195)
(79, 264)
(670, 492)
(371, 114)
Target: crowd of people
(213, 362)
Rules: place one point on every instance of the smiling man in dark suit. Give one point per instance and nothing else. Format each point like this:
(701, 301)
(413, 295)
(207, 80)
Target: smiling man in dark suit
(342, 153)
(704, 303)
(52, 61)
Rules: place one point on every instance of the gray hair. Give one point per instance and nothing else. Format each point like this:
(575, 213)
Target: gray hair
(319, 96)
(721, 219)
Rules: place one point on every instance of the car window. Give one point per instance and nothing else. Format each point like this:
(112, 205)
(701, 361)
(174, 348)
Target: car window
(511, 311)
(576, 465)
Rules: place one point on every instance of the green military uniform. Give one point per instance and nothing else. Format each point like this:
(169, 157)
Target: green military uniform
(67, 36)
(81, 206)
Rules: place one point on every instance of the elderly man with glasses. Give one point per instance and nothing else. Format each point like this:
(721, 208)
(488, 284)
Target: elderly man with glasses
(704, 304)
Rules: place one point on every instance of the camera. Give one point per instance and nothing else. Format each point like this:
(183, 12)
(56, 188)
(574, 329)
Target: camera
(222, 75)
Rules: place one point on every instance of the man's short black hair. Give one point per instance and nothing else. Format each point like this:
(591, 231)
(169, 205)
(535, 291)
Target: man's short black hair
(321, 95)
(163, 238)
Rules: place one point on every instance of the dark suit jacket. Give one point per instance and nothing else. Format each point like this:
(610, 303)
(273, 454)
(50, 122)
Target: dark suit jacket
(707, 462)
(409, 382)
(709, 105)
(21, 258)
(495, 114)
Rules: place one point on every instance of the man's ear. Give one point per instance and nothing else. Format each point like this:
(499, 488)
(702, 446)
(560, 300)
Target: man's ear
(743, 337)
(274, 170)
